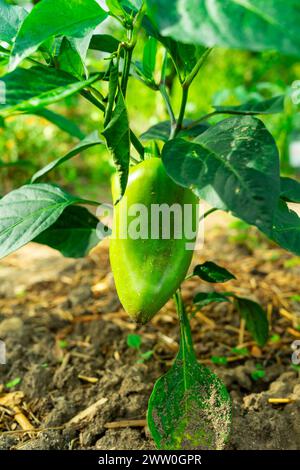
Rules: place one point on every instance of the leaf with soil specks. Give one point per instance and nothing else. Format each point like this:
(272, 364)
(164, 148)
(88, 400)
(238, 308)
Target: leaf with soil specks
(189, 407)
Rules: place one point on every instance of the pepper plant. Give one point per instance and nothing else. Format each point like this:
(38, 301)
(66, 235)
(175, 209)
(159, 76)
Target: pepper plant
(232, 164)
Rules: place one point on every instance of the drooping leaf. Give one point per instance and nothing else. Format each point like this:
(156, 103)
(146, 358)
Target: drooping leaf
(289, 189)
(28, 211)
(149, 58)
(189, 407)
(89, 141)
(112, 91)
(211, 272)
(234, 165)
(117, 135)
(270, 106)
(205, 298)
(286, 228)
(60, 121)
(255, 318)
(74, 233)
(59, 18)
(254, 25)
(31, 89)
(11, 19)
(104, 43)
(161, 131)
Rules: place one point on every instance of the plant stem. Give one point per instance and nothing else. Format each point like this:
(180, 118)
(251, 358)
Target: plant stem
(126, 70)
(178, 127)
(88, 96)
(185, 328)
(137, 144)
(207, 213)
(203, 118)
(164, 94)
(187, 82)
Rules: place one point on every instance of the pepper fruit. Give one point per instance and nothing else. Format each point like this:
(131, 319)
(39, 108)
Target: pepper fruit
(149, 254)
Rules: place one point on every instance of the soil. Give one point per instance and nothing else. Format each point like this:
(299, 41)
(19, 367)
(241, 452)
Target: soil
(71, 376)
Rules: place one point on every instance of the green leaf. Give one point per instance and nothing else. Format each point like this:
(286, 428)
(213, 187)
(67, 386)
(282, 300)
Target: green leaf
(28, 211)
(254, 25)
(255, 318)
(234, 165)
(60, 121)
(149, 58)
(211, 272)
(115, 7)
(189, 407)
(89, 141)
(134, 341)
(13, 383)
(112, 91)
(72, 54)
(161, 131)
(286, 228)
(117, 135)
(184, 56)
(31, 89)
(205, 298)
(252, 107)
(11, 19)
(219, 360)
(59, 18)
(104, 43)
(289, 189)
(74, 233)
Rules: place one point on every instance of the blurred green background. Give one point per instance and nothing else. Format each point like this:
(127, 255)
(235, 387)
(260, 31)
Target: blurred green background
(228, 77)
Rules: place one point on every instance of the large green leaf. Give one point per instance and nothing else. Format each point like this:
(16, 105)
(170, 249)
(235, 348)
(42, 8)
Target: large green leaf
(31, 89)
(270, 106)
(234, 165)
(256, 25)
(255, 318)
(117, 135)
(28, 211)
(89, 141)
(74, 233)
(60, 121)
(286, 228)
(189, 407)
(289, 189)
(11, 19)
(55, 18)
